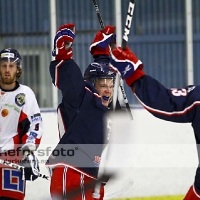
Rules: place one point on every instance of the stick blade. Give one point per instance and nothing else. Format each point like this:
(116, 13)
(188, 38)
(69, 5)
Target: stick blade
(119, 156)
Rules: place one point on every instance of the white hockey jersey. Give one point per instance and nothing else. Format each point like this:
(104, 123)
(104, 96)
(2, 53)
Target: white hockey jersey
(20, 118)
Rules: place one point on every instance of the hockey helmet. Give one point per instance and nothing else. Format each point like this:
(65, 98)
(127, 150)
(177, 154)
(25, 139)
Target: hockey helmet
(11, 55)
(97, 71)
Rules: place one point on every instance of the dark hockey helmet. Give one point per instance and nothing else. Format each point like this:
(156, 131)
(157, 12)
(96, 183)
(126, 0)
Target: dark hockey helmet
(97, 71)
(12, 55)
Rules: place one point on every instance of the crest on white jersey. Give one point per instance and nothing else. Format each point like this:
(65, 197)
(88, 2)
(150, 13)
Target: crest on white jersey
(20, 99)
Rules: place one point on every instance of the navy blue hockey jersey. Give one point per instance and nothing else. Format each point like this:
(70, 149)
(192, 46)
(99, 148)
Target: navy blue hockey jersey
(82, 114)
(176, 105)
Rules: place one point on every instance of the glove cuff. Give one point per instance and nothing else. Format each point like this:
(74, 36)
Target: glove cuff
(28, 148)
(98, 51)
(134, 76)
(64, 54)
(102, 59)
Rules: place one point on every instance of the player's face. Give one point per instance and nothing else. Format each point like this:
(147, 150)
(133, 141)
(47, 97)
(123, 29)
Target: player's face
(8, 72)
(105, 90)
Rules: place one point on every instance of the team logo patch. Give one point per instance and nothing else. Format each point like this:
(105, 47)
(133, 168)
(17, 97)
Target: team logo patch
(20, 99)
(7, 55)
(97, 160)
(12, 180)
(4, 112)
(31, 137)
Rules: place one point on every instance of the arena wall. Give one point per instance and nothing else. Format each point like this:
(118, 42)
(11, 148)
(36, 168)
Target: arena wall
(161, 158)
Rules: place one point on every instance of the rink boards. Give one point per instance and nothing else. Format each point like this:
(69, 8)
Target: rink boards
(160, 163)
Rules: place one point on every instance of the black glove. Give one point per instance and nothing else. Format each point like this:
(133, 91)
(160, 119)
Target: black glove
(31, 167)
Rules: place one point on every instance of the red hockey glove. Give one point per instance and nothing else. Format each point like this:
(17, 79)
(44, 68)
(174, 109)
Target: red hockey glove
(63, 41)
(100, 45)
(125, 62)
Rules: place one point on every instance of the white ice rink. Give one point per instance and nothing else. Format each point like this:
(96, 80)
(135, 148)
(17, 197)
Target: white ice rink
(159, 158)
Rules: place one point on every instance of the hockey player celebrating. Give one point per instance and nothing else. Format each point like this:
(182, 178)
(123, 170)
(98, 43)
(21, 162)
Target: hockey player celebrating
(20, 127)
(176, 105)
(75, 160)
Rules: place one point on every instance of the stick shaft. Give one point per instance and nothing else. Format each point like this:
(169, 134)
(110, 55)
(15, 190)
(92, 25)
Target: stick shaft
(13, 165)
(125, 99)
(98, 13)
(128, 23)
(97, 188)
(96, 193)
(19, 167)
(124, 43)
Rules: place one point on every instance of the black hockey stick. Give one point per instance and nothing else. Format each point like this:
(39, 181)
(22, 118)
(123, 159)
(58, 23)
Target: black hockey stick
(98, 13)
(120, 82)
(19, 167)
(96, 193)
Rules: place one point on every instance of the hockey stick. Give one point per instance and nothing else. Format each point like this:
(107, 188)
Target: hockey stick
(101, 172)
(98, 13)
(19, 167)
(125, 186)
(124, 43)
(128, 23)
(119, 82)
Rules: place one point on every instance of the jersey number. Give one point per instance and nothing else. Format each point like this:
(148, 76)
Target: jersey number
(37, 127)
(179, 92)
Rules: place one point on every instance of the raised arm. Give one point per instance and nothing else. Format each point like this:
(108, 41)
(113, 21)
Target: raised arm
(172, 104)
(65, 73)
